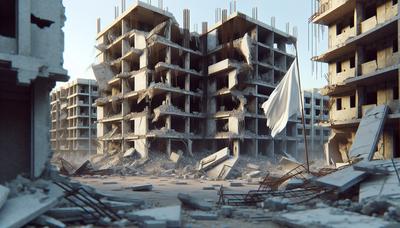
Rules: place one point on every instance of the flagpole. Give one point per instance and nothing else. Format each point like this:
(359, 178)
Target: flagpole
(302, 109)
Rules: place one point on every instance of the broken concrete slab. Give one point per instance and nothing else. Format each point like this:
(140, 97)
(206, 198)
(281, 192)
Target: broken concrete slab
(214, 159)
(170, 214)
(342, 179)
(20, 210)
(141, 188)
(85, 168)
(275, 203)
(4, 191)
(118, 198)
(368, 133)
(194, 203)
(378, 166)
(200, 215)
(380, 186)
(329, 217)
(223, 170)
(45, 220)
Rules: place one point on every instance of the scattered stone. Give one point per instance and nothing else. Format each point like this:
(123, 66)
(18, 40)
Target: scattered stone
(276, 204)
(169, 165)
(141, 188)
(378, 206)
(236, 184)
(200, 215)
(193, 203)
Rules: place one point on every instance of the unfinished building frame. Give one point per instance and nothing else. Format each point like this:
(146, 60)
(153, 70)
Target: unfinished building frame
(73, 127)
(166, 89)
(316, 114)
(363, 63)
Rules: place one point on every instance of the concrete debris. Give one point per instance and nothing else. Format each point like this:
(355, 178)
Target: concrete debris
(378, 166)
(103, 74)
(253, 166)
(329, 217)
(129, 152)
(368, 133)
(236, 184)
(141, 188)
(343, 179)
(253, 174)
(200, 215)
(154, 224)
(214, 159)
(275, 204)
(170, 214)
(227, 211)
(4, 191)
(194, 203)
(175, 157)
(378, 186)
(224, 169)
(288, 164)
(20, 210)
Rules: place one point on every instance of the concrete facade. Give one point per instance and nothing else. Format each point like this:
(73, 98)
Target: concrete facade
(166, 89)
(316, 113)
(363, 63)
(73, 127)
(31, 61)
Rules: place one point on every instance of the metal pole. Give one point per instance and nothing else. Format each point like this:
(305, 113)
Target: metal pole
(302, 109)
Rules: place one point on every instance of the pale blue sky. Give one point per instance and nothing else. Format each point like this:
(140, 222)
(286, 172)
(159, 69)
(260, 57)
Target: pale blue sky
(80, 27)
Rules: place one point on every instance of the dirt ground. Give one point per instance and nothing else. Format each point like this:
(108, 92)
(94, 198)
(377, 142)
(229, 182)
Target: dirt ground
(165, 190)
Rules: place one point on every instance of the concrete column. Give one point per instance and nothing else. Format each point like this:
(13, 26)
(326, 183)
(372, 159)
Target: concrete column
(40, 124)
(358, 16)
(24, 27)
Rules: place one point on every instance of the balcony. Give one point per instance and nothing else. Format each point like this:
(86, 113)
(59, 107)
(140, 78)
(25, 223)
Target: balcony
(331, 10)
(369, 67)
(342, 76)
(343, 37)
(369, 24)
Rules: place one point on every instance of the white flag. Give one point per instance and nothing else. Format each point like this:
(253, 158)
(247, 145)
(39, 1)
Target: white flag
(283, 102)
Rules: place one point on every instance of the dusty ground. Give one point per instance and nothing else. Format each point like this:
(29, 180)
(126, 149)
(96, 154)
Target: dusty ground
(165, 190)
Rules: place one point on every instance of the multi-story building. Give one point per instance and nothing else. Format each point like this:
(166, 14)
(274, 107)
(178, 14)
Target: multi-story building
(363, 60)
(73, 117)
(165, 89)
(31, 61)
(316, 108)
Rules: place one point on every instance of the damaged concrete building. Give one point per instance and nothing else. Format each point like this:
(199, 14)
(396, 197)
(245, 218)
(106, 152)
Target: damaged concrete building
(363, 60)
(316, 113)
(73, 127)
(166, 89)
(31, 61)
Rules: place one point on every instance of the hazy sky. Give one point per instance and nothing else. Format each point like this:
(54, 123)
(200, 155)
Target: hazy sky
(80, 27)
